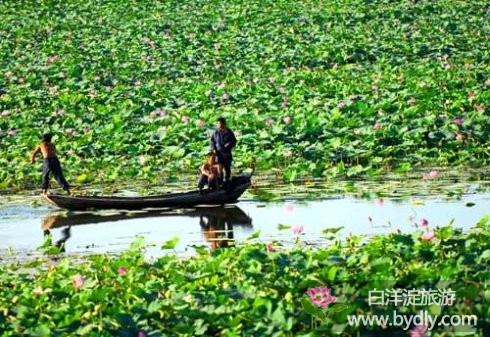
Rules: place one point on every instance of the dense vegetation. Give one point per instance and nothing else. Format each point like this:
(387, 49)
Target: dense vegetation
(248, 290)
(132, 89)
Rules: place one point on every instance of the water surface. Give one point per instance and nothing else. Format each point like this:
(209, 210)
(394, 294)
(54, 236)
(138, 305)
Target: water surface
(361, 208)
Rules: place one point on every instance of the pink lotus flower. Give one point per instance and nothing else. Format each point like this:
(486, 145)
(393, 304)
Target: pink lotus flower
(321, 296)
(201, 123)
(431, 175)
(78, 281)
(158, 82)
(377, 126)
(141, 334)
(249, 82)
(458, 121)
(459, 137)
(162, 113)
(375, 88)
(5, 113)
(434, 174)
(487, 82)
(412, 101)
(152, 44)
(162, 129)
(480, 108)
(86, 130)
(286, 120)
(447, 66)
(12, 133)
(284, 105)
(185, 119)
(226, 96)
(341, 105)
(8, 74)
(297, 230)
(70, 131)
(62, 75)
(82, 46)
(122, 271)
(153, 114)
(137, 83)
(287, 154)
(419, 331)
(282, 90)
(290, 209)
(21, 80)
(380, 202)
(424, 222)
(168, 35)
(269, 122)
(60, 112)
(52, 90)
(428, 236)
(270, 248)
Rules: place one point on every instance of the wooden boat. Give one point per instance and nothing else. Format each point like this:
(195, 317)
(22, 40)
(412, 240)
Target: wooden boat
(228, 195)
(232, 214)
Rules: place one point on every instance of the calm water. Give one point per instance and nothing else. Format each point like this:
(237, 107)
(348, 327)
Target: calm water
(390, 206)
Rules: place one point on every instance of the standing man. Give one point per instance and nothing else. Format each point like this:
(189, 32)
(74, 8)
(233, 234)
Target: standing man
(51, 163)
(222, 142)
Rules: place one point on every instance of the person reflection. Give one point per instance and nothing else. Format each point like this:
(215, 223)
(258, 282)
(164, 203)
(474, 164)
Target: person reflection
(65, 234)
(217, 230)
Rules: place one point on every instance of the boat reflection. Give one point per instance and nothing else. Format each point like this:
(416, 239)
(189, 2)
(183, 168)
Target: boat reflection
(216, 223)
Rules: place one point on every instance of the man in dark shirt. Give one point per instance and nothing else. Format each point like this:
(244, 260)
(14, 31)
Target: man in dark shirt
(222, 142)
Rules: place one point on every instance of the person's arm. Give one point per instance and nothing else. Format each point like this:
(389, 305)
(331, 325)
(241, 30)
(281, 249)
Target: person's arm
(231, 141)
(204, 170)
(34, 154)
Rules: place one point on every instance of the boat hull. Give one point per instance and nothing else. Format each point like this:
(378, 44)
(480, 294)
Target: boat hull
(229, 195)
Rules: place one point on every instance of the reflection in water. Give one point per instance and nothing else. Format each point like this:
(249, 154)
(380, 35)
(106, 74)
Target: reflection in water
(218, 231)
(66, 234)
(216, 222)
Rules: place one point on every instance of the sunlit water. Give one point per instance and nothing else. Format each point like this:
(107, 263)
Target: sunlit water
(367, 209)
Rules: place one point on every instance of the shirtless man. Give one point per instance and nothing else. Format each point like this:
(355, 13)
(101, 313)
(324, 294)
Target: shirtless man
(51, 164)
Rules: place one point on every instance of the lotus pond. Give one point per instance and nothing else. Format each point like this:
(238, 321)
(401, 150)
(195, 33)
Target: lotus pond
(258, 286)
(352, 91)
(244, 270)
(335, 88)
